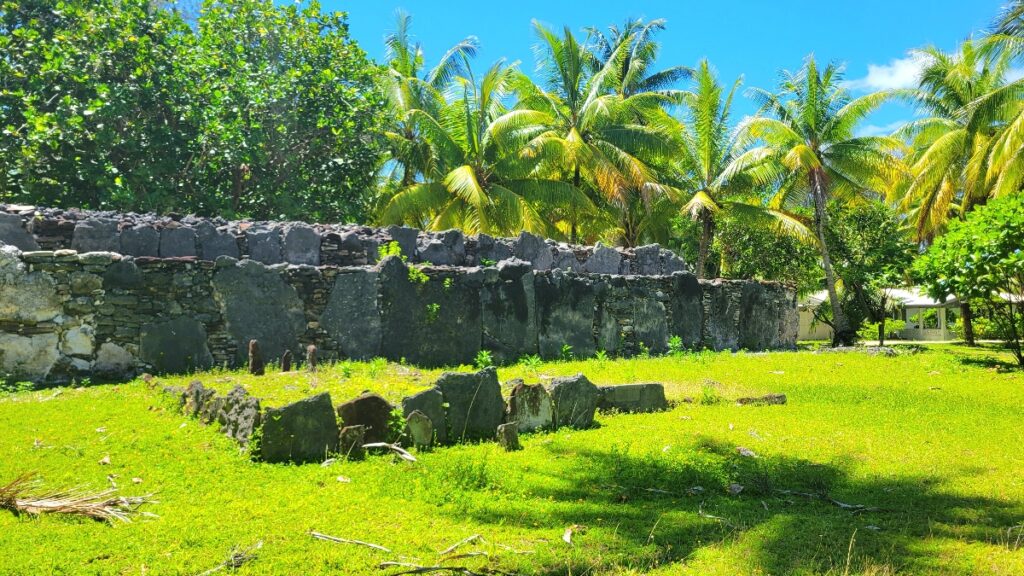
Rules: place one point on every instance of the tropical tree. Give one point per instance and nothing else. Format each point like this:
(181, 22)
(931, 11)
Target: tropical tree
(807, 149)
(641, 51)
(479, 181)
(410, 86)
(590, 136)
(711, 174)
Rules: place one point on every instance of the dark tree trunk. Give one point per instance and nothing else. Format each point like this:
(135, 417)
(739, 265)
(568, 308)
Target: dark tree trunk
(842, 335)
(967, 316)
(576, 183)
(706, 236)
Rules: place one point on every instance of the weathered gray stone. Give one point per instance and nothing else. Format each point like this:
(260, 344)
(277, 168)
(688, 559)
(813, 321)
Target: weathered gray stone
(508, 437)
(767, 399)
(352, 316)
(604, 260)
(420, 429)
(303, 431)
(286, 361)
(196, 397)
(650, 323)
(239, 415)
(301, 245)
(96, 235)
(122, 275)
(174, 346)
(84, 283)
(432, 323)
(509, 312)
(78, 341)
(647, 260)
(28, 357)
(530, 407)
(258, 304)
(722, 303)
(445, 249)
(141, 240)
(633, 398)
(25, 297)
(214, 243)
(177, 242)
(565, 259)
(113, 361)
(575, 400)
(565, 314)
(14, 233)
(491, 249)
(264, 244)
(406, 238)
(431, 404)
(369, 410)
(686, 310)
(350, 442)
(256, 365)
(534, 250)
(475, 406)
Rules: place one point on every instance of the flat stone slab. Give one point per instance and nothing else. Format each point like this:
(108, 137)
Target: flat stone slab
(633, 398)
(303, 431)
(575, 400)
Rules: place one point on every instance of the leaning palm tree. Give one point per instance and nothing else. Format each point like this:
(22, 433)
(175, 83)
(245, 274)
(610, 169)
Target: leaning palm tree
(808, 147)
(586, 133)
(409, 86)
(479, 180)
(715, 178)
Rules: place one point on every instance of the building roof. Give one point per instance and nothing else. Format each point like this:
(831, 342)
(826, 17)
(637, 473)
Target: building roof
(913, 297)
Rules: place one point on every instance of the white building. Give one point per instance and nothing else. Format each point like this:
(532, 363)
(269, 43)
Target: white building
(926, 318)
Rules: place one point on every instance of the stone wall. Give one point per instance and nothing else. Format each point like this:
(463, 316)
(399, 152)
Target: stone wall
(103, 315)
(31, 228)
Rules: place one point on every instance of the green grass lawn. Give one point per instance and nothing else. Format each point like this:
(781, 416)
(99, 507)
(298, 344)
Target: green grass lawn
(934, 441)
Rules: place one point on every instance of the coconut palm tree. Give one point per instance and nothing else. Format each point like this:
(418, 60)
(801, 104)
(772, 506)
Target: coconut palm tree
(806, 143)
(409, 86)
(950, 148)
(588, 134)
(478, 180)
(641, 51)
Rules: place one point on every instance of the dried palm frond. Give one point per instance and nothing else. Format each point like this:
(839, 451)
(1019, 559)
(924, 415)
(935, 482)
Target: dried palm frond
(25, 495)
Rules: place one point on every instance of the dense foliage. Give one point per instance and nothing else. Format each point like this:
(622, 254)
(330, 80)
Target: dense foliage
(257, 110)
(982, 259)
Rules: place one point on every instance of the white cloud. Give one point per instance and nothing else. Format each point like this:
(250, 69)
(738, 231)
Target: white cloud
(898, 73)
(880, 130)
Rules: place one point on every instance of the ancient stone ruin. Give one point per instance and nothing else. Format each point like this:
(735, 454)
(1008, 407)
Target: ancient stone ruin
(460, 407)
(107, 296)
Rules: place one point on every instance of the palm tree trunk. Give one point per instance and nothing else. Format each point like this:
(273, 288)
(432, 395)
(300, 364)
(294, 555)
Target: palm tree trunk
(841, 333)
(576, 183)
(706, 235)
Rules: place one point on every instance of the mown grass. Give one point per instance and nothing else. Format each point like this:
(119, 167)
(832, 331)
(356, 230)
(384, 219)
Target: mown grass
(932, 440)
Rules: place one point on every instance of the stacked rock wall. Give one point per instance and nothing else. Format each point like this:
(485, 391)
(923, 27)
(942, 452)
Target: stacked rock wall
(104, 315)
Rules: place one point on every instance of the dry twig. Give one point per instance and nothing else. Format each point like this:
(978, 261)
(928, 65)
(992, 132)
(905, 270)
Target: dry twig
(104, 505)
(330, 538)
(460, 543)
(394, 448)
(236, 559)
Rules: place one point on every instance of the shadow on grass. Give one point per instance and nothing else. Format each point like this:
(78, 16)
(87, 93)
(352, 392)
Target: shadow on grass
(637, 510)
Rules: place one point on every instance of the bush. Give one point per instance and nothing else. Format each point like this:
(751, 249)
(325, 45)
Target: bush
(869, 330)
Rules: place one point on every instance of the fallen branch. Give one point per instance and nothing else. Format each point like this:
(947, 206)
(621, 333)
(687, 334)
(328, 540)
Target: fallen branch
(416, 569)
(103, 505)
(330, 538)
(460, 543)
(854, 508)
(394, 448)
(236, 559)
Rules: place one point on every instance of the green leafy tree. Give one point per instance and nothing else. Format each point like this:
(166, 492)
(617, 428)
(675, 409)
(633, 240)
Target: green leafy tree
(807, 145)
(641, 51)
(981, 258)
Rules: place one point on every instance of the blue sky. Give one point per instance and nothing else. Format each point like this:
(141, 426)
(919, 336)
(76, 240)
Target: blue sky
(752, 38)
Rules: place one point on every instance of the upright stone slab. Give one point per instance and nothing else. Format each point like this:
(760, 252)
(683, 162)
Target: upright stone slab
(406, 238)
(352, 316)
(650, 317)
(96, 235)
(214, 242)
(604, 260)
(509, 311)
(419, 428)
(686, 310)
(175, 346)
(447, 248)
(508, 437)
(633, 398)
(530, 407)
(431, 404)
(301, 244)
(303, 431)
(14, 233)
(177, 242)
(722, 302)
(565, 314)
(475, 406)
(350, 442)
(369, 410)
(534, 250)
(431, 323)
(258, 304)
(140, 240)
(264, 242)
(575, 400)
